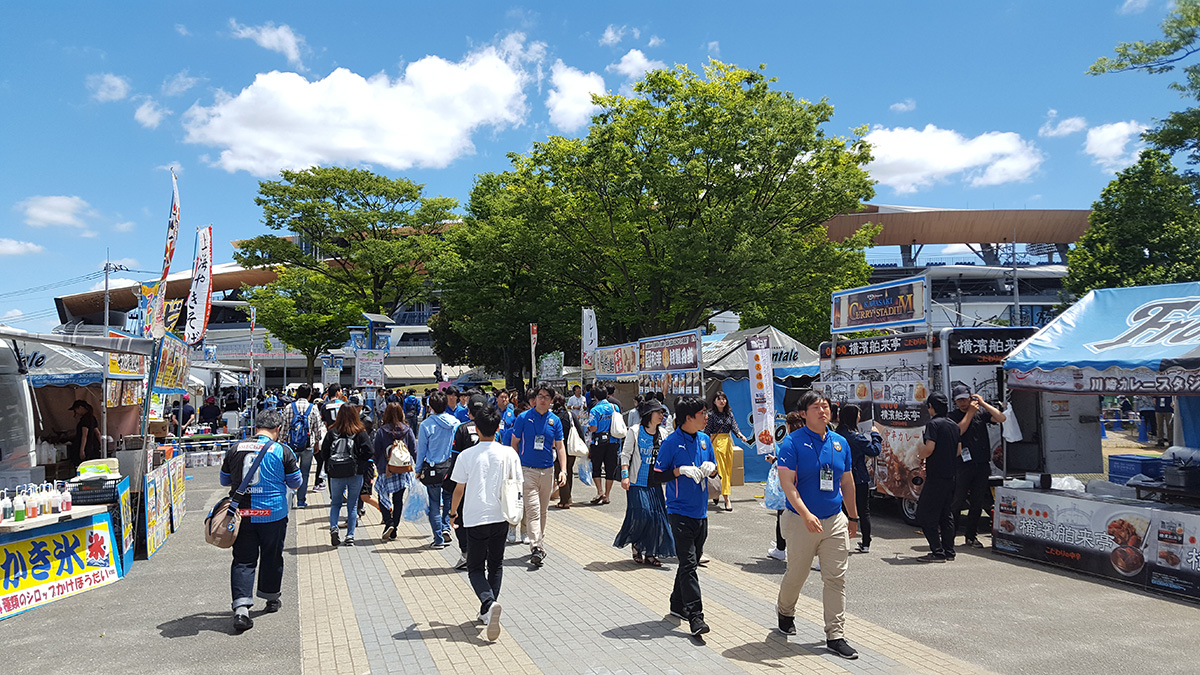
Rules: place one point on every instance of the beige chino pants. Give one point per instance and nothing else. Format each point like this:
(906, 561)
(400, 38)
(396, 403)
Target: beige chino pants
(832, 548)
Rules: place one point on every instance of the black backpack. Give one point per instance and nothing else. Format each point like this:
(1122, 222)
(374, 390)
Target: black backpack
(341, 463)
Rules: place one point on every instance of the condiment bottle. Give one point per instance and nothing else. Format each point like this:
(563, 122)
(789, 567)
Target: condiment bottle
(55, 500)
(66, 499)
(6, 508)
(19, 507)
(31, 504)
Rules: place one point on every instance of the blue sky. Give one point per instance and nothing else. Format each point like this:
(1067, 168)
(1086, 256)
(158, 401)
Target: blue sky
(970, 105)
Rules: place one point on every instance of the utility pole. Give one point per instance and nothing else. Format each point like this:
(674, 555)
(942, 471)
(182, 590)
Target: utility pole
(1016, 287)
(108, 268)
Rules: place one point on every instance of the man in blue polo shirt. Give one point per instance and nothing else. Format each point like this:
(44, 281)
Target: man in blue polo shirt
(815, 474)
(606, 449)
(685, 461)
(538, 439)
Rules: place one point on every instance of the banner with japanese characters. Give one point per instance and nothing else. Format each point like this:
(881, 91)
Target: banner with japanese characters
(677, 352)
(617, 362)
(173, 366)
(177, 472)
(983, 346)
(199, 300)
(157, 496)
(368, 368)
(54, 562)
(762, 392)
(1174, 551)
(590, 338)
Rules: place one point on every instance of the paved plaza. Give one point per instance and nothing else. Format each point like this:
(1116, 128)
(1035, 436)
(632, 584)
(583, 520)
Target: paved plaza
(400, 607)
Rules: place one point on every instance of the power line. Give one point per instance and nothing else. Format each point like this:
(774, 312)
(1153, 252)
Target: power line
(55, 284)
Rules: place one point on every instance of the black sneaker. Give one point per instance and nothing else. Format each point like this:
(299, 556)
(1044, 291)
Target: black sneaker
(349, 541)
(334, 537)
(272, 606)
(698, 626)
(462, 563)
(932, 557)
(388, 532)
(950, 555)
(841, 648)
(538, 558)
(242, 622)
(787, 625)
(974, 543)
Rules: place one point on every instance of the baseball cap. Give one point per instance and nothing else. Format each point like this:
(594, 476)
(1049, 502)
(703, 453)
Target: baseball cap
(477, 403)
(79, 403)
(938, 400)
(962, 391)
(211, 399)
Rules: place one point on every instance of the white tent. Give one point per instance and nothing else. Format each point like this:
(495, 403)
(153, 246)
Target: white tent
(725, 354)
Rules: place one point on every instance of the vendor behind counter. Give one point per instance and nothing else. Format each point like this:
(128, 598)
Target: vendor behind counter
(87, 433)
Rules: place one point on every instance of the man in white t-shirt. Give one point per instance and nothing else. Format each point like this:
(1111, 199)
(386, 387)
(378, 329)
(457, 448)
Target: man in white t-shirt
(577, 404)
(480, 473)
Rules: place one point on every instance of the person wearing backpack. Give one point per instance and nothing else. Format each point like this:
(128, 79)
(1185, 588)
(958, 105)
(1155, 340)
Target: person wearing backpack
(302, 426)
(434, 444)
(264, 523)
(394, 439)
(328, 408)
(347, 451)
(412, 408)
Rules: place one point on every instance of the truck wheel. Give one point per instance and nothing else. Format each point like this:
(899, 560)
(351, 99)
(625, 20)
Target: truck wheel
(908, 511)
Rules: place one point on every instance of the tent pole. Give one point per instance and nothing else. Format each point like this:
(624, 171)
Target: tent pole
(105, 367)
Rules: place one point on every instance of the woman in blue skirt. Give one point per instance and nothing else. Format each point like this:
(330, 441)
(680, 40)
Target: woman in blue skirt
(645, 526)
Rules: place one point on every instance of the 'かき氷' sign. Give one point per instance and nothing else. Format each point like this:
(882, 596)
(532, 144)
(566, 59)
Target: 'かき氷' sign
(50, 563)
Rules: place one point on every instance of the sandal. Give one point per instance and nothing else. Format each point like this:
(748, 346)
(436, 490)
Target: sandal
(652, 561)
(637, 558)
(606, 501)
(597, 499)
(561, 506)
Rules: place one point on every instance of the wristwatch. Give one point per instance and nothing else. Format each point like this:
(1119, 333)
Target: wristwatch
(853, 520)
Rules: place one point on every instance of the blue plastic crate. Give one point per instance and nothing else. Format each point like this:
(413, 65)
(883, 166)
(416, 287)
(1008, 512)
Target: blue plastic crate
(1119, 478)
(1131, 465)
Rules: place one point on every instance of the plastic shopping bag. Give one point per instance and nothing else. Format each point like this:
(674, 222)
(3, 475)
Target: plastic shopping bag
(416, 506)
(773, 497)
(585, 471)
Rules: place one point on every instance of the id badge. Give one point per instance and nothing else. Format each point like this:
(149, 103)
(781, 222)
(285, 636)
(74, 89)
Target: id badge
(539, 441)
(826, 479)
(966, 454)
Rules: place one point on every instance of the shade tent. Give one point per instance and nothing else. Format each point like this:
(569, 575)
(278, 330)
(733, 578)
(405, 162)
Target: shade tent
(725, 354)
(121, 345)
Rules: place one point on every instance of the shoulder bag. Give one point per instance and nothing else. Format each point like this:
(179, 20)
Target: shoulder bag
(222, 524)
(510, 495)
(617, 428)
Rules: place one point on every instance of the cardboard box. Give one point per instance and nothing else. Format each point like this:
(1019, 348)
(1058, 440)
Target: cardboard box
(739, 468)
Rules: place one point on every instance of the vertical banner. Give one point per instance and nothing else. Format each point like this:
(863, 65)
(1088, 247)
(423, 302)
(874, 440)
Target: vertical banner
(158, 327)
(149, 306)
(532, 353)
(762, 392)
(591, 338)
(199, 302)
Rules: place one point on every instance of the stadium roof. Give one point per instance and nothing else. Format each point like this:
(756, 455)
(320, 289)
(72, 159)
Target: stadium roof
(904, 225)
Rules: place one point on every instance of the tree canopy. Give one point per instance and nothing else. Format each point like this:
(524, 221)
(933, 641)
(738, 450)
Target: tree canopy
(696, 195)
(367, 234)
(1144, 229)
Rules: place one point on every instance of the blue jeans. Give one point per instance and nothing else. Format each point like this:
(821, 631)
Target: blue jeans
(344, 490)
(306, 459)
(439, 518)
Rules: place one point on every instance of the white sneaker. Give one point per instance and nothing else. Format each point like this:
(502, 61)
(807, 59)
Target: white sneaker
(777, 554)
(512, 534)
(816, 566)
(525, 539)
(492, 621)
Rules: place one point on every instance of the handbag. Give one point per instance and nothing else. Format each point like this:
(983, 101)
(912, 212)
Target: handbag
(435, 474)
(399, 458)
(618, 429)
(575, 445)
(714, 486)
(510, 496)
(223, 522)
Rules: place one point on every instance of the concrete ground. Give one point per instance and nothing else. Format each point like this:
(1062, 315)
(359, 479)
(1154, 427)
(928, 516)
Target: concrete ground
(400, 607)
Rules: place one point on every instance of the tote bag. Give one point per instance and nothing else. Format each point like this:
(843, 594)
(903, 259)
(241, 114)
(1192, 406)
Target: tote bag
(510, 496)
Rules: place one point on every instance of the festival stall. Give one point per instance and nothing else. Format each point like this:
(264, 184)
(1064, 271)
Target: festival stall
(1137, 341)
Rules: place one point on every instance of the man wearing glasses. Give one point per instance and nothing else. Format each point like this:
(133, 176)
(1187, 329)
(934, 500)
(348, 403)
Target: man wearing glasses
(538, 439)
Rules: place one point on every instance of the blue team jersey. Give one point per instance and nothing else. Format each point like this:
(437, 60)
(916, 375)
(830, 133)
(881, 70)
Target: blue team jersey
(537, 433)
(266, 495)
(645, 443)
(508, 418)
(804, 452)
(685, 497)
(461, 414)
(601, 417)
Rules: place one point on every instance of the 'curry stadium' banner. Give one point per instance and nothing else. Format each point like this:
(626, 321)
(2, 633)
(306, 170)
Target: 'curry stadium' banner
(904, 302)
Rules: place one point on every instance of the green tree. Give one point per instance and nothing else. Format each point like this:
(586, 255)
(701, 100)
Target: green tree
(367, 234)
(306, 311)
(495, 277)
(1145, 229)
(696, 196)
(1180, 130)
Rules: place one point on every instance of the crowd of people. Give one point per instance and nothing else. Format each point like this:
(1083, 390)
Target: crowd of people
(472, 453)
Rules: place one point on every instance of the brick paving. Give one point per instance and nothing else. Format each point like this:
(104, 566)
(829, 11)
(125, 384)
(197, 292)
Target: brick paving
(399, 606)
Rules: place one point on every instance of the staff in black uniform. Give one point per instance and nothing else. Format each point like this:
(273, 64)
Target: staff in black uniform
(940, 448)
(973, 415)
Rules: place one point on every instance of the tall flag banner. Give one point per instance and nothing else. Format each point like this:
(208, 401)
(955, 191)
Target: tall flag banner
(173, 309)
(199, 301)
(148, 305)
(762, 392)
(591, 338)
(158, 327)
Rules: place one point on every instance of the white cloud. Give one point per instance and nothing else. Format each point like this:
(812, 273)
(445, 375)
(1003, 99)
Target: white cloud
(714, 48)
(956, 249)
(636, 33)
(1107, 144)
(14, 247)
(107, 87)
(1066, 127)
(12, 314)
(1133, 6)
(570, 99)
(279, 39)
(612, 35)
(150, 114)
(635, 64)
(178, 84)
(656, 41)
(124, 262)
(907, 105)
(124, 226)
(65, 210)
(909, 159)
(181, 29)
(89, 234)
(120, 282)
(424, 118)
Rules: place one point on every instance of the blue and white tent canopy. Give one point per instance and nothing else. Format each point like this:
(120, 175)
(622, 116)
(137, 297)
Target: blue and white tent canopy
(55, 366)
(1141, 340)
(725, 354)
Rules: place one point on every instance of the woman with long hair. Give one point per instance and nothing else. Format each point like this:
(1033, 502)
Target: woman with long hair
(721, 427)
(391, 486)
(645, 528)
(861, 447)
(347, 452)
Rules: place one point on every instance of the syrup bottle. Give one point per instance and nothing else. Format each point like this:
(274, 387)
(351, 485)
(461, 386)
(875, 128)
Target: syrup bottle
(55, 500)
(66, 499)
(19, 507)
(31, 504)
(6, 508)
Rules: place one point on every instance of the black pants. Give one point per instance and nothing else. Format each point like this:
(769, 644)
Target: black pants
(862, 498)
(486, 546)
(605, 461)
(391, 518)
(320, 457)
(780, 542)
(690, 535)
(1148, 421)
(935, 514)
(972, 491)
(257, 545)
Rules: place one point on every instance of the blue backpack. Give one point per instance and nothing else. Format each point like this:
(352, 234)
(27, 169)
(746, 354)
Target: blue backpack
(298, 435)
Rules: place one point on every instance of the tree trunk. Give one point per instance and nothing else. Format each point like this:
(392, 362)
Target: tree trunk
(312, 362)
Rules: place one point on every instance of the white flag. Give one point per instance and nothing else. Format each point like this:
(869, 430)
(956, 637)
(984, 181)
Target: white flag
(199, 301)
(158, 328)
(590, 337)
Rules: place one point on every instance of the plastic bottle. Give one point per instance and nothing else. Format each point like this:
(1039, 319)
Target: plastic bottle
(6, 508)
(19, 507)
(66, 499)
(55, 500)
